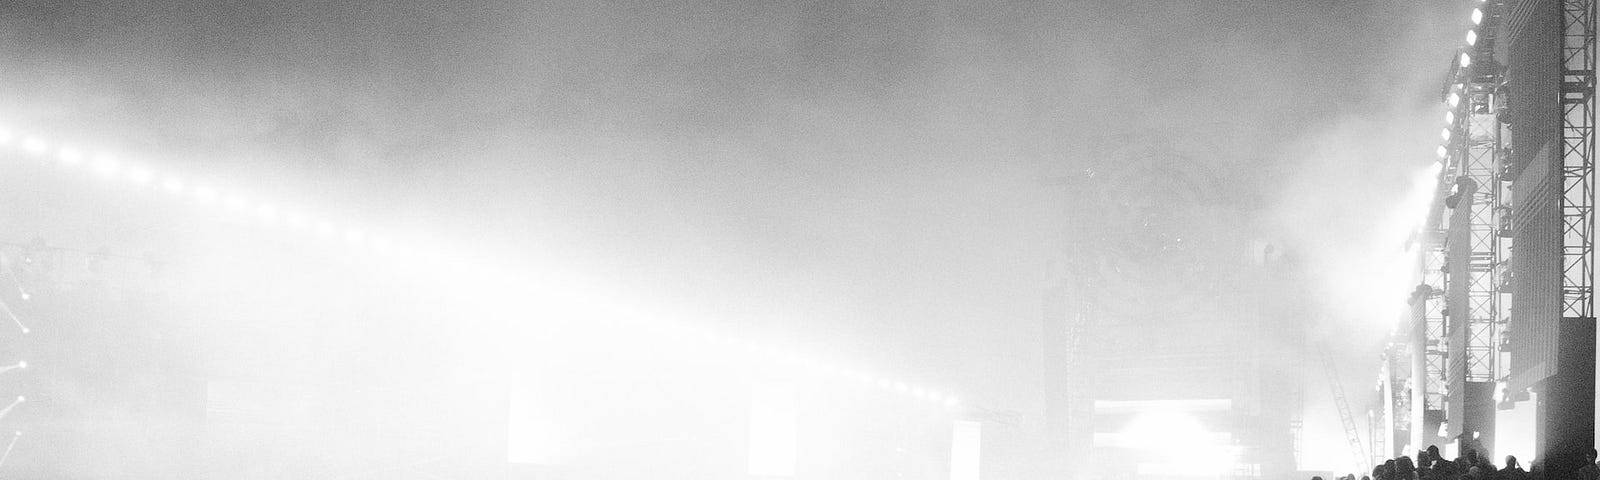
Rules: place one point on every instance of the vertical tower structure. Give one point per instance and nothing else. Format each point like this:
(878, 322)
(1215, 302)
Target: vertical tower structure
(1549, 141)
(1473, 244)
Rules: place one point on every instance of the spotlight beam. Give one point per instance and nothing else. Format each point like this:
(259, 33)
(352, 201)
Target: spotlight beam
(13, 405)
(270, 213)
(13, 315)
(10, 446)
(15, 366)
(5, 265)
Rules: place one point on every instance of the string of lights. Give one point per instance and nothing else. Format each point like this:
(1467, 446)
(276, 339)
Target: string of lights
(268, 213)
(21, 364)
(140, 175)
(1453, 98)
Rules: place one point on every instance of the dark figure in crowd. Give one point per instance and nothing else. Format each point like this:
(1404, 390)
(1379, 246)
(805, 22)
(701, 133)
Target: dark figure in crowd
(1512, 470)
(1489, 470)
(1589, 471)
(1436, 468)
(1444, 469)
(1403, 469)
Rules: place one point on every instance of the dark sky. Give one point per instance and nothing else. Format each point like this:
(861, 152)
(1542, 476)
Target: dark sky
(873, 176)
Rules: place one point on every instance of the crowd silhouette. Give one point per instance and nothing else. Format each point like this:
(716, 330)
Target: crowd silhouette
(1430, 465)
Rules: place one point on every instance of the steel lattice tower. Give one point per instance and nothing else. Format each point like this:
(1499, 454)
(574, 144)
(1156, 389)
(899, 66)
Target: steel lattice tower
(1577, 159)
(1435, 309)
(1474, 248)
(1566, 404)
(1479, 164)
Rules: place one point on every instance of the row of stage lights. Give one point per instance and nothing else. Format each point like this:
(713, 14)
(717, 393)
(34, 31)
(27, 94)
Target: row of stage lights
(22, 293)
(269, 213)
(1454, 98)
(139, 175)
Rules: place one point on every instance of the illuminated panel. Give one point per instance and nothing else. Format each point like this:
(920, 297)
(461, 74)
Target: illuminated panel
(531, 436)
(966, 448)
(772, 429)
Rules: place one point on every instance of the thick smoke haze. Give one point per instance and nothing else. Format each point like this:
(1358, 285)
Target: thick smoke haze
(873, 181)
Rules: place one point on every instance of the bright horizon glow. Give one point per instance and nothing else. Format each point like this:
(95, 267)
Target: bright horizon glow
(110, 166)
(267, 212)
(35, 145)
(204, 194)
(295, 220)
(966, 447)
(140, 176)
(354, 236)
(69, 155)
(172, 185)
(236, 202)
(1203, 453)
(774, 429)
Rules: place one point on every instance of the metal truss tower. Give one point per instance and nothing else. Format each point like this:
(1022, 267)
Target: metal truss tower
(1577, 159)
(1358, 453)
(1479, 163)
(1475, 254)
(1425, 345)
(1488, 134)
(1434, 310)
(1567, 402)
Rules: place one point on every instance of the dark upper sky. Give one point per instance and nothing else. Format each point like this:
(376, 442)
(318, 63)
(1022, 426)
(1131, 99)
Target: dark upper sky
(857, 173)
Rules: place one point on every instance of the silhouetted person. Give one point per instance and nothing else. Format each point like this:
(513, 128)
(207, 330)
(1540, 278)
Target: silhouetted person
(1588, 470)
(1404, 470)
(1446, 469)
(1512, 470)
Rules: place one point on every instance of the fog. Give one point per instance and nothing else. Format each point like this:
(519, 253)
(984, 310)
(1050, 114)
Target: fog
(877, 185)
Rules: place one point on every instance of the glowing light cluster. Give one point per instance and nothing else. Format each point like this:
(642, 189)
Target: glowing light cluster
(1453, 99)
(260, 211)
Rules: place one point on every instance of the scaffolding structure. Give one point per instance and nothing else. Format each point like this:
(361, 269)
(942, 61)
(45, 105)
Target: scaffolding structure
(1358, 453)
(1479, 163)
(1577, 159)
(1435, 347)
(1476, 252)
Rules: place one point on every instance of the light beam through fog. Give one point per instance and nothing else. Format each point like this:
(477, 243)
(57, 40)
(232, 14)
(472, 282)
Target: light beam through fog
(813, 239)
